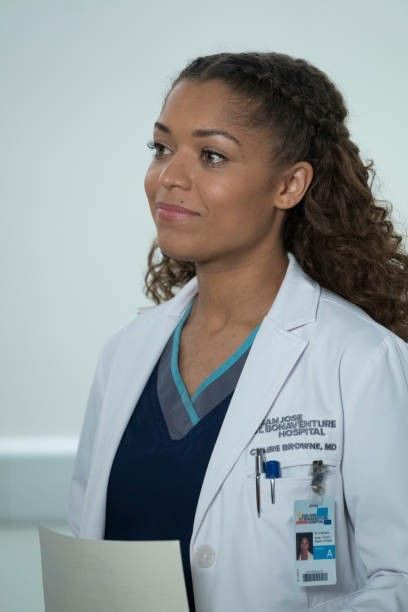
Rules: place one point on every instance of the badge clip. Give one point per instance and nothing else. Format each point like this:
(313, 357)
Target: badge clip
(318, 473)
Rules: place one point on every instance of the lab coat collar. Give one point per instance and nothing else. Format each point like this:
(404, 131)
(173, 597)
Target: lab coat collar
(294, 305)
(273, 356)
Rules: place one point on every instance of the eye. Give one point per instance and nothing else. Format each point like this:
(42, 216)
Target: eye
(207, 154)
(152, 144)
(211, 153)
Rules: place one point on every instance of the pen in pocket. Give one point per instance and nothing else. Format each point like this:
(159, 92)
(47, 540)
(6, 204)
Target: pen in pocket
(258, 470)
(272, 471)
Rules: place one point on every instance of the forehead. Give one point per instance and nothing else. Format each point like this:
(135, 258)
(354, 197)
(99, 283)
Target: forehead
(208, 104)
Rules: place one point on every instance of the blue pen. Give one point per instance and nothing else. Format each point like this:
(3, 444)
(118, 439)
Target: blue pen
(272, 471)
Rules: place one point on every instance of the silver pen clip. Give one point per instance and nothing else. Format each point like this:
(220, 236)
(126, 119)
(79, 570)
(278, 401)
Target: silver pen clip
(259, 457)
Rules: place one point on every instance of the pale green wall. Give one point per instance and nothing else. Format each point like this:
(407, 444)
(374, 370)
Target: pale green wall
(82, 82)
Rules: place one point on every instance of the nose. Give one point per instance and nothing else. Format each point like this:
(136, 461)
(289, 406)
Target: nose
(175, 174)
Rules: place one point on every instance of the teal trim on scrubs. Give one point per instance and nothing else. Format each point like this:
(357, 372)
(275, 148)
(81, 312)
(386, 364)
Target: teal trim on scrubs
(185, 397)
(226, 364)
(219, 371)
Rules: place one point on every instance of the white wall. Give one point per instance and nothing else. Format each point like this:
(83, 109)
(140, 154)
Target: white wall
(82, 83)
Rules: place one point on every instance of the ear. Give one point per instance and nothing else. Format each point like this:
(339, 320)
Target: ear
(293, 184)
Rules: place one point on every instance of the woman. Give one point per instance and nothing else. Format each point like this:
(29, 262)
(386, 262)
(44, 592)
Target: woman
(280, 327)
(304, 550)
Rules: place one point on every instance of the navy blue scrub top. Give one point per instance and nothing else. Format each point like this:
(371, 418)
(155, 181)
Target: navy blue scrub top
(160, 463)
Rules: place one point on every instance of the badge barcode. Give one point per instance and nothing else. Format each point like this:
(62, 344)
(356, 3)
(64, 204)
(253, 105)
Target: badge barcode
(315, 576)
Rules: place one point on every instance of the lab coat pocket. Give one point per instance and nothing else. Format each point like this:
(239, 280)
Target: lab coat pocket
(277, 496)
(273, 529)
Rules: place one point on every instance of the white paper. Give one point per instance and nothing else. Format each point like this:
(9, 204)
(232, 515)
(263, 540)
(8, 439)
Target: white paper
(111, 576)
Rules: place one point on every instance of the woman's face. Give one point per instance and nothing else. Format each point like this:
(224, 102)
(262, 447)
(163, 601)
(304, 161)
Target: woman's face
(304, 545)
(226, 179)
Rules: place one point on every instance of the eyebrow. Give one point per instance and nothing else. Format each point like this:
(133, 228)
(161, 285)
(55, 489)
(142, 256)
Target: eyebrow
(200, 133)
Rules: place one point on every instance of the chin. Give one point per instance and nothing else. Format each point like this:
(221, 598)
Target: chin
(176, 251)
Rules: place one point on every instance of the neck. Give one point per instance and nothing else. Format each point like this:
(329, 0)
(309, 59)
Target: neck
(240, 294)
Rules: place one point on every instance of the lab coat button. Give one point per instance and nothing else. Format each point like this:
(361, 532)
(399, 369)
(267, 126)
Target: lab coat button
(204, 556)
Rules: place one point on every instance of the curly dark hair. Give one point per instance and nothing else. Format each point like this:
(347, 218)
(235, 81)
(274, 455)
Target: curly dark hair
(340, 235)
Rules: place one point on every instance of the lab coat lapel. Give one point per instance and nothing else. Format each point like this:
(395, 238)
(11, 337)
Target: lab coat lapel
(140, 347)
(273, 355)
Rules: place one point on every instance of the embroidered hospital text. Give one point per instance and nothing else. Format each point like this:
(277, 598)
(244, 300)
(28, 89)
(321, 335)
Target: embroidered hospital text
(295, 425)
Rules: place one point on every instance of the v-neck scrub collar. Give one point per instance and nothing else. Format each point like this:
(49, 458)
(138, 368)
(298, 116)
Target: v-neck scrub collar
(211, 390)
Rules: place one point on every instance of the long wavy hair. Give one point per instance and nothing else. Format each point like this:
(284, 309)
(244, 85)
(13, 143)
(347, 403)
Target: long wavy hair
(340, 235)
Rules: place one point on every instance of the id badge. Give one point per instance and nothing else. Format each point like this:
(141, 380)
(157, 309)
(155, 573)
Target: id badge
(315, 542)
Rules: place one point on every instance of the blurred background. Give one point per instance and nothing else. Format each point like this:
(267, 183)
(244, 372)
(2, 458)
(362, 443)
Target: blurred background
(81, 84)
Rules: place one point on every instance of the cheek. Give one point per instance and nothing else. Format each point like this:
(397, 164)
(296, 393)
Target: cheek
(150, 182)
(236, 211)
(150, 190)
(224, 202)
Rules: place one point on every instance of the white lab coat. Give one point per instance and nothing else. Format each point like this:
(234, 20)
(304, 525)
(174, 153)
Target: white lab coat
(315, 355)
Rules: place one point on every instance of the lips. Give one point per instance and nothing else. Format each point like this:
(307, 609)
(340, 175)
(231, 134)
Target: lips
(174, 208)
(173, 212)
